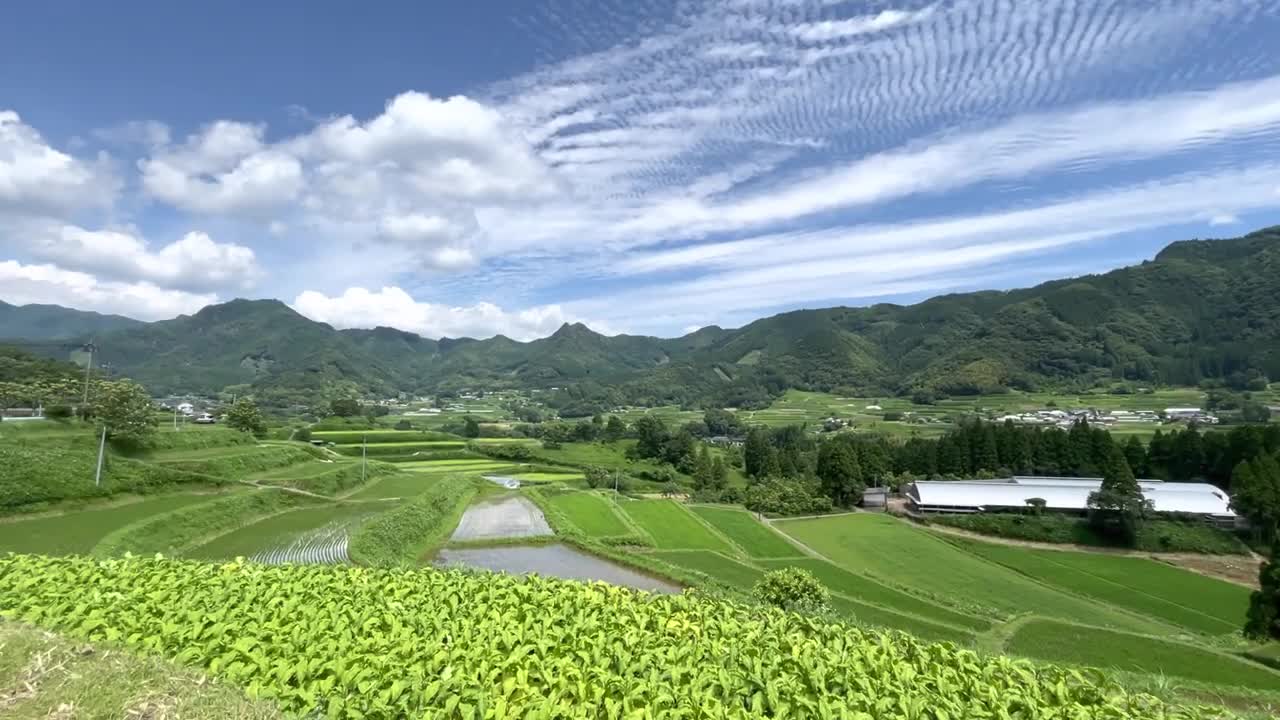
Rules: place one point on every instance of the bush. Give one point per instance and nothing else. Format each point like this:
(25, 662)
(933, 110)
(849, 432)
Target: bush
(792, 589)
(58, 412)
(894, 416)
(404, 425)
(302, 434)
(786, 496)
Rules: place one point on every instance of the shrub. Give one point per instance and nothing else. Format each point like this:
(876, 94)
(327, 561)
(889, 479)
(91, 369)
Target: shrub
(404, 425)
(302, 434)
(785, 496)
(58, 412)
(792, 588)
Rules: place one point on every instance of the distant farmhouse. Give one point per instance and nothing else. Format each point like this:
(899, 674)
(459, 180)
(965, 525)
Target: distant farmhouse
(1063, 495)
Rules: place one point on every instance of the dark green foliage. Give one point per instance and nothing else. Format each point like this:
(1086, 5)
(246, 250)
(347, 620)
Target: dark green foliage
(1255, 487)
(51, 322)
(1153, 535)
(839, 473)
(1263, 621)
(1117, 509)
(471, 428)
(243, 415)
(793, 589)
(596, 476)
(786, 496)
(614, 429)
(344, 407)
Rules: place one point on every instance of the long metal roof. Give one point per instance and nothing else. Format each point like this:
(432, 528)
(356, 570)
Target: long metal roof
(1067, 494)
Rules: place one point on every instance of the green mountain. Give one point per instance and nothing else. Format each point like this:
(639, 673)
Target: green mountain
(1199, 309)
(52, 322)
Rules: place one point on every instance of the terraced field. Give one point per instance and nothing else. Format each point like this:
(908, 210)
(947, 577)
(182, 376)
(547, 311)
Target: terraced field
(893, 552)
(1195, 602)
(746, 532)
(594, 515)
(78, 531)
(317, 535)
(672, 527)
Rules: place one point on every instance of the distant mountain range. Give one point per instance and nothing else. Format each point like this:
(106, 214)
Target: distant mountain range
(1199, 309)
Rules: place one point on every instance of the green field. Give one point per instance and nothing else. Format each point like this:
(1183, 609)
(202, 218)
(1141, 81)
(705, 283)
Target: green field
(78, 531)
(1182, 598)
(896, 553)
(434, 466)
(505, 441)
(1059, 642)
(356, 437)
(547, 477)
(713, 564)
(867, 590)
(398, 485)
(880, 617)
(749, 534)
(279, 529)
(671, 526)
(591, 513)
(423, 444)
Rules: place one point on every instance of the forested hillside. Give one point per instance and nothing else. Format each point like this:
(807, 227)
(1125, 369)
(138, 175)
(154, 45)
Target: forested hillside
(1200, 309)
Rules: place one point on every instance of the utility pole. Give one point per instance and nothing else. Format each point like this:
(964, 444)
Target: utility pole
(364, 455)
(88, 370)
(102, 447)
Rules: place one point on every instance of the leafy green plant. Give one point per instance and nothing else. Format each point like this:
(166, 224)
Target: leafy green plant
(345, 642)
(792, 588)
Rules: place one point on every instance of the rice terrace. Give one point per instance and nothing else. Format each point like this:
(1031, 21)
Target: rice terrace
(664, 360)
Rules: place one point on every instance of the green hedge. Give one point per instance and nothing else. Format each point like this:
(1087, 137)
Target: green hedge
(180, 530)
(402, 535)
(250, 461)
(1155, 535)
(341, 437)
(34, 475)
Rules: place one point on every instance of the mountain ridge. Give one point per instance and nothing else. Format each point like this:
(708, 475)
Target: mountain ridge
(1198, 309)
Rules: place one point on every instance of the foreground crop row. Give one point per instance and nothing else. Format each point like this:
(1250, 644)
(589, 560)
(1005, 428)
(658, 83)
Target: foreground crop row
(357, 642)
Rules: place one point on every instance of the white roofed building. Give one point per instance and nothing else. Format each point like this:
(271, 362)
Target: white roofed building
(1069, 495)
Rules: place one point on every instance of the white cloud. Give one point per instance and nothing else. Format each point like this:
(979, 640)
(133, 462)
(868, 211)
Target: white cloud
(36, 178)
(850, 27)
(1223, 219)
(49, 284)
(393, 307)
(195, 262)
(223, 169)
(876, 260)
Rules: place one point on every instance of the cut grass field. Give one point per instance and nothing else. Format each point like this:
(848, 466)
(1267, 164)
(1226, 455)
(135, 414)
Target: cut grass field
(78, 531)
(867, 590)
(547, 477)
(671, 526)
(743, 577)
(429, 466)
(746, 532)
(280, 530)
(1062, 642)
(896, 553)
(594, 515)
(1195, 602)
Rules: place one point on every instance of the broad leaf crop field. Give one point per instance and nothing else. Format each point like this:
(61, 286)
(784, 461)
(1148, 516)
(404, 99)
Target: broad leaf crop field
(356, 642)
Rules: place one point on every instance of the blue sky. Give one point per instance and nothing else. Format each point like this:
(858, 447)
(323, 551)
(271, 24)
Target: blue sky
(647, 167)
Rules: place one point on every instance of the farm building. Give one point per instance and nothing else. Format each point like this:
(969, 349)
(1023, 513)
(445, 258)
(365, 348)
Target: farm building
(1066, 495)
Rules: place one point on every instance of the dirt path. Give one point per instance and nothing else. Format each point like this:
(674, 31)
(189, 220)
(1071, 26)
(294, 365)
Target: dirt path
(1238, 569)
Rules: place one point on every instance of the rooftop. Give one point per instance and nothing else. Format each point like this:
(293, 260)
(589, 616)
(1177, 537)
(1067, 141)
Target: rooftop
(1066, 494)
